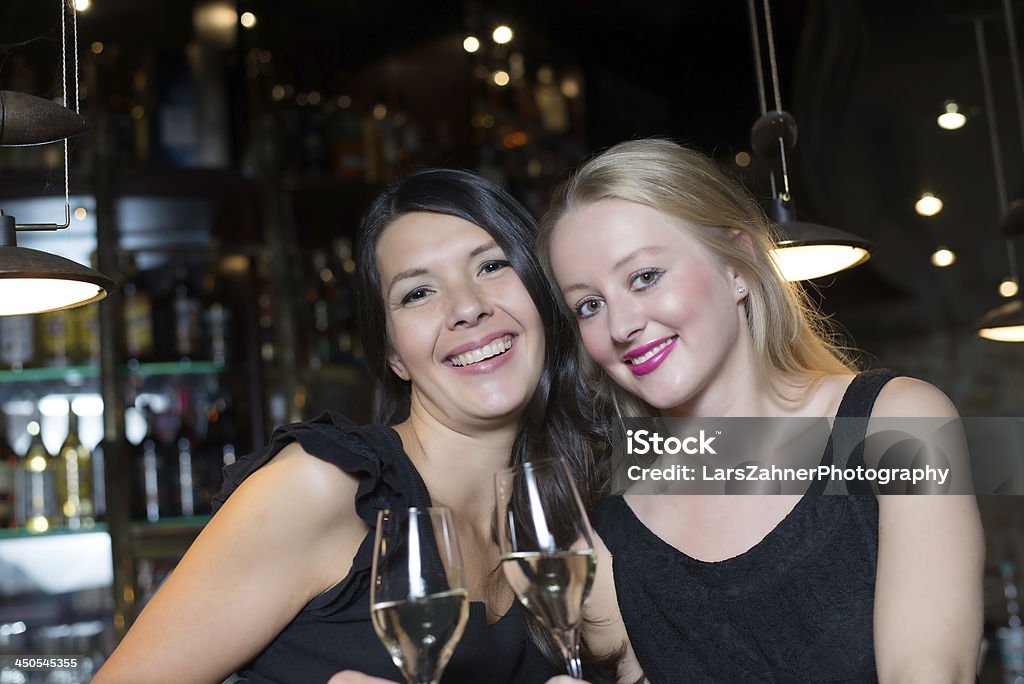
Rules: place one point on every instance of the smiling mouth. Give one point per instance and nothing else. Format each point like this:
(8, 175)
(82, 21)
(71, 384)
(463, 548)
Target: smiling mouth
(650, 353)
(488, 351)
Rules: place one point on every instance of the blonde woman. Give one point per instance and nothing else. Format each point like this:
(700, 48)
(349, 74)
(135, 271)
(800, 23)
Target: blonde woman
(663, 263)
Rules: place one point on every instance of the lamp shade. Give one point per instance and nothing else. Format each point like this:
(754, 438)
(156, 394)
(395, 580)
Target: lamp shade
(32, 281)
(1004, 323)
(810, 250)
(806, 250)
(30, 120)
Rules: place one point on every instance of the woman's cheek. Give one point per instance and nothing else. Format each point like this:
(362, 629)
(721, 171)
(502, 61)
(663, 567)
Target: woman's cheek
(597, 344)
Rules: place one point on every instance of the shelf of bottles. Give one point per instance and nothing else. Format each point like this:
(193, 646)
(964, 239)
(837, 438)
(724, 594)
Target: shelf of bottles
(187, 358)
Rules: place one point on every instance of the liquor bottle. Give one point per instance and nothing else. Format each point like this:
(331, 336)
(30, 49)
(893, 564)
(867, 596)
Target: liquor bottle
(76, 494)
(55, 336)
(183, 466)
(138, 315)
(8, 467)
(185, 312)
(265, 303)
(41, 473)
(346, 142)
(140, 113)
(347, 347)
(217, 316)
(17, 342)
(1011, 637)
(150, 491)
(218, 448)
(320, 293)
(85, 322)
(176, 120)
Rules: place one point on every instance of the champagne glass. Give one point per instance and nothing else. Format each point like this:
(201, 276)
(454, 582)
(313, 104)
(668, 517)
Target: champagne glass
(547, 550)
(418, 600)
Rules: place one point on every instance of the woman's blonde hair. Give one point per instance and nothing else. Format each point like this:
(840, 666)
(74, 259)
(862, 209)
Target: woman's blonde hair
(791, 338)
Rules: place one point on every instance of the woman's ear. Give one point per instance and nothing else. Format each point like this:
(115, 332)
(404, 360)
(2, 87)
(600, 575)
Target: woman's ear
(743, 240)
(396, 365)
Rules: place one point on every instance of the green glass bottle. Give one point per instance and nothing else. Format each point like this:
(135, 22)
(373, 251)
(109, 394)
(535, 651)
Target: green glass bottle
(76, 493)
(42, 482)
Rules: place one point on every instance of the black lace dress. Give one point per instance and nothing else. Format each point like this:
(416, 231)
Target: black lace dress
(797, 607)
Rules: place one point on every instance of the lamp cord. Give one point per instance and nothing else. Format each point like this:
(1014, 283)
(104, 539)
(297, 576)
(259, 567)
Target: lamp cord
(1011, 38)
(993, 135)
(755, 31)
(771, 57)
(758, 66)
(64, 6)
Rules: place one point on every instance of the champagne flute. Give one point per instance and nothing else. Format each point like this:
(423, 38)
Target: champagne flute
(547, 550)
(418, 600)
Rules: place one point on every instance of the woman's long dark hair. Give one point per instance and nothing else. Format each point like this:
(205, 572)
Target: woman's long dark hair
(558, 420)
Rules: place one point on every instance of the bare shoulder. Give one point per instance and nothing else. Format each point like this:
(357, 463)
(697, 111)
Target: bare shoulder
(904, 397)
(239, 584)
(298, 490)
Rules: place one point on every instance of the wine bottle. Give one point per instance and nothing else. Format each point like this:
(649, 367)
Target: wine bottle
(185, 312)
(347, 346)
(218, 448)
(41, 474)
(320, 294)
(184, 480)
(85, 322)
(267, 315)
(55, 336)
(149, 492)
(8, 467)
(217, 316)
(76, 494)
(138, 315)
(17, 342)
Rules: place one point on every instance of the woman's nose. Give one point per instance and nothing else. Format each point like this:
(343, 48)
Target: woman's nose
(625, 321)
(468, 309)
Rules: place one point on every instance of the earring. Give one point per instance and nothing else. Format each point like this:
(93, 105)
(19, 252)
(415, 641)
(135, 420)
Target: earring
(741, 289)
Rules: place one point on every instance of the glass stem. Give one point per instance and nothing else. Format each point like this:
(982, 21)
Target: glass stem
(571, 652)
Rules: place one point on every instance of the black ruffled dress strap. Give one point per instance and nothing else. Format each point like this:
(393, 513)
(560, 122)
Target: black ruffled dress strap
(372, 453)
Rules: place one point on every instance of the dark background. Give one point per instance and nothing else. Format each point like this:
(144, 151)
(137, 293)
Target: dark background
(865, 81)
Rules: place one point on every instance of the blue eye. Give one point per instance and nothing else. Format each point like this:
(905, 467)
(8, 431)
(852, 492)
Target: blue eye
(588, 307)
(641, 280)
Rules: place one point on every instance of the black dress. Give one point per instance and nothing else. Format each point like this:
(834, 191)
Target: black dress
(333, 631)
(797, 607)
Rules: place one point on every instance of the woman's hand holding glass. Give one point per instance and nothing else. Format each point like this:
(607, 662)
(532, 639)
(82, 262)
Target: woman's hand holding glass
(418, 600)
(547, 549)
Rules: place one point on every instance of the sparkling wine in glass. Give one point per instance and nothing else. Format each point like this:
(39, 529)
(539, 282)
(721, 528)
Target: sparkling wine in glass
(418, 600)
(547, 550)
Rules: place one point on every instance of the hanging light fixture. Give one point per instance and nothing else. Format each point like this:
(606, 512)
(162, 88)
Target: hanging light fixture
(802, 250)
(1005, 323)
(32, 281)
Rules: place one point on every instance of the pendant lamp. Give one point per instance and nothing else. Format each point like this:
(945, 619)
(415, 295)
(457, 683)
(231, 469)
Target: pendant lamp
(1005, 323)
(802, 250)
(32, 281)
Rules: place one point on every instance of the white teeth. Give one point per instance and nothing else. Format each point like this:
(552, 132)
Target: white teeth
(649, 355)
(490, 349)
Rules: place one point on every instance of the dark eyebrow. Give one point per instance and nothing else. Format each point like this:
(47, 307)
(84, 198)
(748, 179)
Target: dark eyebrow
(416, 272)
(618, 264)
(486, 247)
